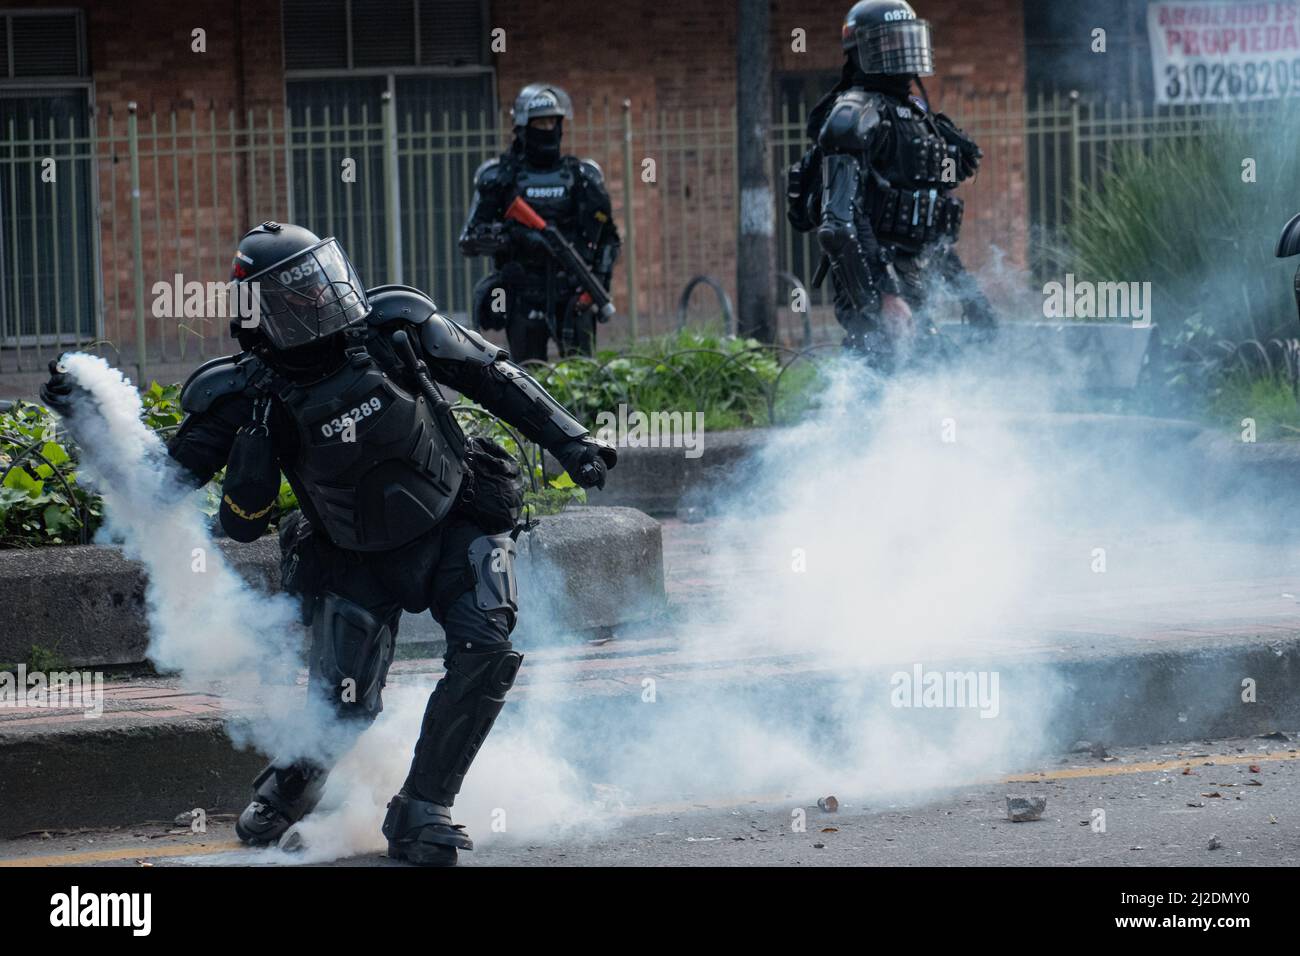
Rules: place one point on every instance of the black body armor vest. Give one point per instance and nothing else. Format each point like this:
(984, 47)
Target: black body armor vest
(911, 205)
(550, 192)
(371, 459)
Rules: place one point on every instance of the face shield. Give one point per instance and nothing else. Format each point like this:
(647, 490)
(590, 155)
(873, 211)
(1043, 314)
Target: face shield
(900, 48)
(309, 296)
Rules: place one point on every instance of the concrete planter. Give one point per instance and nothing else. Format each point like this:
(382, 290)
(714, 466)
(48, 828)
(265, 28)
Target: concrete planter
(583, 569)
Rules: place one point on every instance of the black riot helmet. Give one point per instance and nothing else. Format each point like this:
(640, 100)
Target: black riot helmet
(885, 37)
(537, 100)
(306, 287)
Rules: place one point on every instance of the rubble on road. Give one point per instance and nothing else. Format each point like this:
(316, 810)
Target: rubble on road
(1025, 809)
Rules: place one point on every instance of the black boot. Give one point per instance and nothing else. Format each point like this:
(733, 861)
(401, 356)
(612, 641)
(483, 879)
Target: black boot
(421, 832)
(281, 797)
(461, 711)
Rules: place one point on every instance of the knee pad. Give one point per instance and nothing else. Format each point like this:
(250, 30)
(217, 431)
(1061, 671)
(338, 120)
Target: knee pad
(837, 238)
(492, 564)
(351, 651)
(461, 712)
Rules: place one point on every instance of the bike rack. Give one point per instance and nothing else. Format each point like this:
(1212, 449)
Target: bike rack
(728, 314)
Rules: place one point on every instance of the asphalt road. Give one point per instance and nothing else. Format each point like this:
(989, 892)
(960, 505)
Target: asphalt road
(1163, 805)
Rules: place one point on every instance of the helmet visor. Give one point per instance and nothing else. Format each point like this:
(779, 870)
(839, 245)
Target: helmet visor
(895, 48)
(309, 296)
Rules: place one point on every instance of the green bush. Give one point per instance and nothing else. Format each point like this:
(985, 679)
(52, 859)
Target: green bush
(1177, 213)
(40, 500)
(728, 379)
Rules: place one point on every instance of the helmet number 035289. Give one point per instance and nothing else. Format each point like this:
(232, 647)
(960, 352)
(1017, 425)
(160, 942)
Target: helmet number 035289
(364, 410)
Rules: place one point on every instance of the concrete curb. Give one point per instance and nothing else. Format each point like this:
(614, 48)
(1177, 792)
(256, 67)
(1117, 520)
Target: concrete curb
(102, 777)
(583, 569)
(663, 481)
(152, 769)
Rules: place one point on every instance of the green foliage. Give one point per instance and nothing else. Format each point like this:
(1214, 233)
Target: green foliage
(36, 507)
(1269, 402)
(728, 379)
(44, 659)
(162, 406)
(1177, 213)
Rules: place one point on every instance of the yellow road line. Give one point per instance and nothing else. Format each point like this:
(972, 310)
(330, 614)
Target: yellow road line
(124, 853)
(1113, 769)
(1104, 770)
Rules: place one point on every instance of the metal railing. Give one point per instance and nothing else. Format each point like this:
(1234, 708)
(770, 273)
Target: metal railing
(137, 200)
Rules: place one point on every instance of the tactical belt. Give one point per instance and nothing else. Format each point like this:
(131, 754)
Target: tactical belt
(914, 216)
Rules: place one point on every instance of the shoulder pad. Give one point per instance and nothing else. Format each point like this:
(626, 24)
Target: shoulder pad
(850, 121)
(217, 378)
(488, 172)
(1289, 243)
(591, 170)
(388, 303)
(446, 341)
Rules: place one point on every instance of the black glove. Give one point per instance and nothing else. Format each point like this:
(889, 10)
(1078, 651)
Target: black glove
(586, 460)
(526, 243)
(487, 238)
(59, 392)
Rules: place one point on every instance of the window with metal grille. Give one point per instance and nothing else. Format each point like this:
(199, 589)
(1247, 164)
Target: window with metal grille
(48, 280)
(431, 57)
(361, 34)
(41, 45)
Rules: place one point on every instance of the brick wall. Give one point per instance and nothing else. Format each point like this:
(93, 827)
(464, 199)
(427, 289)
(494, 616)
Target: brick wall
(140, 50)
(673, 61)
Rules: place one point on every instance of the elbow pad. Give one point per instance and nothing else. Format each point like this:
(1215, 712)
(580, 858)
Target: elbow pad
(838, 236)
(539, 416)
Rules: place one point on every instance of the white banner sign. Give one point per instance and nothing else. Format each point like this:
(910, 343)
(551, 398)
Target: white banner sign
(1218, 51)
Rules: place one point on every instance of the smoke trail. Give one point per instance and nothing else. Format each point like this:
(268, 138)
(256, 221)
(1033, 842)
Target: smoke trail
(209, 625)
(205, 621)
(926, 520)
(916, 548)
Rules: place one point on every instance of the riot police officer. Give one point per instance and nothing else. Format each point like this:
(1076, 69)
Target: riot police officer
(529, 295)
(398, 511)
(877, 187)
(1288, 245)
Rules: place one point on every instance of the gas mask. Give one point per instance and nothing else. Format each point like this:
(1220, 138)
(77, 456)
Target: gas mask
(542, 146)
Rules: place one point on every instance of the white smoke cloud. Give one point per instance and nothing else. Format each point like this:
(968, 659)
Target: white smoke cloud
(938, 523)
(205, 622)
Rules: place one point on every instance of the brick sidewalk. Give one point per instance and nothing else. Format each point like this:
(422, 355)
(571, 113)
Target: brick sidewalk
(1100, 621)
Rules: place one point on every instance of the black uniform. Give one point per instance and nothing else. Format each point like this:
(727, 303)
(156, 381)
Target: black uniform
(398, 511)
(878, 183)
(541, 302)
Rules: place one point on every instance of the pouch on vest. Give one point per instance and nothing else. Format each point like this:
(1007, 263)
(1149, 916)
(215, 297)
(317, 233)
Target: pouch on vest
(492, 495)
(252, 479)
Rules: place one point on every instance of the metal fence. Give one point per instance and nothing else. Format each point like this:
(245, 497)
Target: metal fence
(103, 222)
